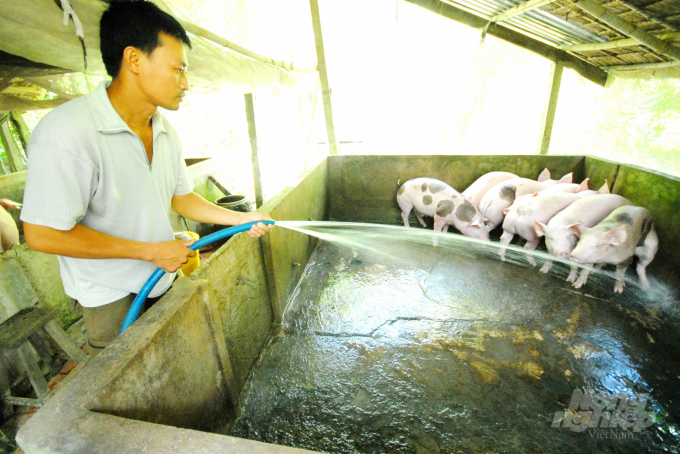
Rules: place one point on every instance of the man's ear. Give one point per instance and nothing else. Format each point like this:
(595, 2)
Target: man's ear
(132, 59)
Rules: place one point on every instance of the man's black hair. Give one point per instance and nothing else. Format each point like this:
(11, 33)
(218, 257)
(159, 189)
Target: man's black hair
(136, 23)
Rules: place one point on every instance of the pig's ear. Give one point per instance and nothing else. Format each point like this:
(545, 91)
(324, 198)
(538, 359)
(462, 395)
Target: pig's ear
(506, 211)
(540, 228)
(518, 190)
(475, 223)
(535, 194)
(568, 178)
(545, 175)
(604, 189)
(583, 186)
(578, 229)
(617, 236)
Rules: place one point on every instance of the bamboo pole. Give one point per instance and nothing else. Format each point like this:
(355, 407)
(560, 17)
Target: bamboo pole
(11, 150)
(627, 42)
(210, 36)
(520, 9)
(22, 128)
(628, 29)
(549, 115)
(323, 76)
(663, 64)
(252, 134)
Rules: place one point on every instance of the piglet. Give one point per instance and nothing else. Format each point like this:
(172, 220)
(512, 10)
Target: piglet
(501, 196)
(544, 178)
(481, 186)
(434, 198)
(522, 221)
(628, 231)
(9, 234)
(561, 231)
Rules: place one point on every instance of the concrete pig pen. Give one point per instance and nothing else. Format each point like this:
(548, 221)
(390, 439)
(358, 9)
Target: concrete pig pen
(172, 381)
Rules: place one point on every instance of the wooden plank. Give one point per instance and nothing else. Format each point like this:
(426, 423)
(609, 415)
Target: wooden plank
(33, 371)
(587, 70)
(42, 348)
(551, 107)
(21, 325)
(13, 154)
(22, 128)
(16, 292)
(520, 9)
(323, 75)
(23, 401)
(66, 343)
(252, 134)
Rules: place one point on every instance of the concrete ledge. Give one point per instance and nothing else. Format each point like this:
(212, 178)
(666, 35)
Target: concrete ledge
(164, 369)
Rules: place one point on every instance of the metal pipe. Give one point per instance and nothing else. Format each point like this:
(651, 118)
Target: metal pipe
(628, 29)
(627, 42)
(663, 64)
(520, 9)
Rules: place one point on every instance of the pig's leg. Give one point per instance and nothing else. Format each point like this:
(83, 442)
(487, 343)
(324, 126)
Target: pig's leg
(420, 219)
(572, 274)
(645, 254)
(506, 238)
(446, 228)
(406, 208)
(439, 225)
(621, 274)
(583, 277)
(546, 266)
(530, 246)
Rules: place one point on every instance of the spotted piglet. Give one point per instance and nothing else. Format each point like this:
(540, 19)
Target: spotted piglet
(627, 232)
(434, 198)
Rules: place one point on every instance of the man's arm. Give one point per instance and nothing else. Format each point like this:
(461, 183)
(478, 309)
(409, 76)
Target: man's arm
(83, 242)
(196, 208)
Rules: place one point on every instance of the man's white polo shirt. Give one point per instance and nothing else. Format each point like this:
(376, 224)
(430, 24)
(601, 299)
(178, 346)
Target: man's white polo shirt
(85, 165)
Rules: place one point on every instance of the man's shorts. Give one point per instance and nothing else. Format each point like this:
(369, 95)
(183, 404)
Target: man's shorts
(104, 322)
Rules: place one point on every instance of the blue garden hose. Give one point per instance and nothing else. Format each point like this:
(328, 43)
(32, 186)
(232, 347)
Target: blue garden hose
(156, 276)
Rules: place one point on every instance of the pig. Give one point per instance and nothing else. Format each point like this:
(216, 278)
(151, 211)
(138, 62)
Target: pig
(544, 178)
(481, 186)
(626, 232)
(521, 221)
(9, 234)
(501, 196)
(561, 231)
(447, 206)
(566, 187)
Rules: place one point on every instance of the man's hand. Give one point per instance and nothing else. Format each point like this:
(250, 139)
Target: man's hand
(171, 255)
(258, 229)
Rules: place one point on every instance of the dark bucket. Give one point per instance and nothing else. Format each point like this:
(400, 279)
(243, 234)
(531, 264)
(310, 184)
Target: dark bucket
(235, 203)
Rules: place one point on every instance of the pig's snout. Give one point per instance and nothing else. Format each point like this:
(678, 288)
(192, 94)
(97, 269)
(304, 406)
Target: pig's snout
(574, 257)
(563, 254)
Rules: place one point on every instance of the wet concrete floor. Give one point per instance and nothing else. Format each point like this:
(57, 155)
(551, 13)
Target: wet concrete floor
(458, 352)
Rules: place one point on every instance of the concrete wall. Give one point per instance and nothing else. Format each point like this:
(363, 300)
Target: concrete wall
(364, 188)
(184, 362)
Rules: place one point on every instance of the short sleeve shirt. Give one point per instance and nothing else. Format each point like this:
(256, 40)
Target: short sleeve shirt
(86, 166)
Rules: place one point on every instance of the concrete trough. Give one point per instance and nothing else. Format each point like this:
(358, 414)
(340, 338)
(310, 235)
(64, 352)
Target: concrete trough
(171, 382)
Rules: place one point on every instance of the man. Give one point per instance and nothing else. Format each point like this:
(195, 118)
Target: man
(105, 169)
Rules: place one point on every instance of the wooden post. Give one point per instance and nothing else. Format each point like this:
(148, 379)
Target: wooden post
(549, 115)
(252, 134)
(323, 75)
(13, 153)
(22, 128)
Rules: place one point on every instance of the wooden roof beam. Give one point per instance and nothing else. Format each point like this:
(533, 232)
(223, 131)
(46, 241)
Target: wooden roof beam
(520, 9)
(602, 14)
